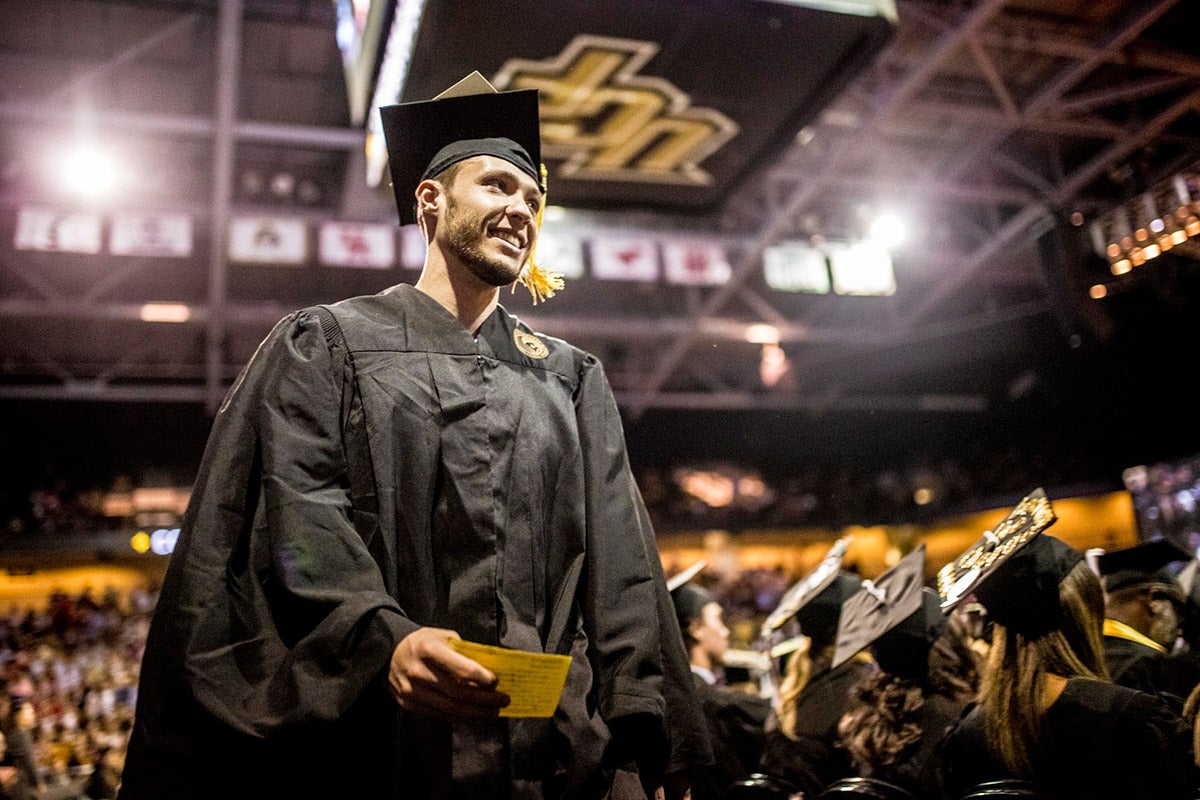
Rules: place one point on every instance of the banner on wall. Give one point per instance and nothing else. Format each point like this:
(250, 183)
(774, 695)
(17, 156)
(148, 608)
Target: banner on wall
(53, 231)
(151, 235)
(267, 240)
(695, 263)
(560, 252)
(349, 244)
(796, 267)
(624, 259)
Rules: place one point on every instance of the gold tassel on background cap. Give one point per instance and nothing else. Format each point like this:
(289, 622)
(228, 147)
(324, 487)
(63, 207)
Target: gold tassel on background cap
(541, 283)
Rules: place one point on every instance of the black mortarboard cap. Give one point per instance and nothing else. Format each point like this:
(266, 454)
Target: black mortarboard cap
(469, 119)
(957, 580)
(689, 598)
(816, 599)
(880, 605)
(1021, 591)
(1142, 565)
(904, 650)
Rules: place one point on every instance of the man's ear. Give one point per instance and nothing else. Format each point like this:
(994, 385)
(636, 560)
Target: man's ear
(429, 193)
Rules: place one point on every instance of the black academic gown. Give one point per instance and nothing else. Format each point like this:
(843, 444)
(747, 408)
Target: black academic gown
(735, 723)
(405, 474)
(812, 760)
(1141, 667)
(1099, 741)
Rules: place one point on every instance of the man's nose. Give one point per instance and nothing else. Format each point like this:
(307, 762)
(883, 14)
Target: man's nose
(519, 208)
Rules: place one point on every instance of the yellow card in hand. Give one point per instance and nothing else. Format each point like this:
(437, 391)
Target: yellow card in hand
(532, 681)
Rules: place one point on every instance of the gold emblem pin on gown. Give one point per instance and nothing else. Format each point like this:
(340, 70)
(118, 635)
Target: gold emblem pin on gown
(530, 345)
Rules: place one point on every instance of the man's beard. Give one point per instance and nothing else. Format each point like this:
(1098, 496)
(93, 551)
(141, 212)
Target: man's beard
(464, 240)
(1164, 629)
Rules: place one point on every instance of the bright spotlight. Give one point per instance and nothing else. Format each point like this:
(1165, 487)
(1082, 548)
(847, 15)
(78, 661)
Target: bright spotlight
(88, 173)
(888, 230)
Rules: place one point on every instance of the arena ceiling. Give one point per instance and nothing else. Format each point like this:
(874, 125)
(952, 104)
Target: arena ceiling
(999, 129)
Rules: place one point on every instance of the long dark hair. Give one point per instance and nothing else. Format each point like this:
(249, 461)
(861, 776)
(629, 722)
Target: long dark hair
(881, 726)
(1011, 691)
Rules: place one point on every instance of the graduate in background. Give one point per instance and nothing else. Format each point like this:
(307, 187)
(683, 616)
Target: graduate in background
(801, 733)
(1144, 605)
(1047, 712)
(734, 718)
(900, 712)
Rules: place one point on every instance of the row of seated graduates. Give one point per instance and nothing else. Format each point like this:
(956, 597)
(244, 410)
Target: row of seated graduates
(891, 697)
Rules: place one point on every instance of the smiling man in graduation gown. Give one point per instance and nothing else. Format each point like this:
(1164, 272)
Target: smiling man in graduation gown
(393, 472)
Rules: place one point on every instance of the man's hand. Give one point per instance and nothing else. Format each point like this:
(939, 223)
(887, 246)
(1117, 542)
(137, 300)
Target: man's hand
(428, 676)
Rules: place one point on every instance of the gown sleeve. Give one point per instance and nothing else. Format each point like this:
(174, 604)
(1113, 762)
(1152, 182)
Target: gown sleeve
(296, 621)
(1155, 743)
(646, 695)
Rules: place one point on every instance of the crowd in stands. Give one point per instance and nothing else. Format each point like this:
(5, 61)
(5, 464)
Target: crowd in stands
(69, 675)
(685, 496)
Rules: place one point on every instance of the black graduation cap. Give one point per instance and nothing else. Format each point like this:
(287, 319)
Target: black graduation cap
(689, 598)
(1142, 565)
(1020, 592)
(957, 580)
(904, 650)
(816, 599)
(469, 119)
(880, 606)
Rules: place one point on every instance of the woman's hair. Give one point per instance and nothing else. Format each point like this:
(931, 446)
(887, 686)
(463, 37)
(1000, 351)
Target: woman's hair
(1011, 690)
(799, 669)
(881, 725)
(954, 666)
(1191, 716)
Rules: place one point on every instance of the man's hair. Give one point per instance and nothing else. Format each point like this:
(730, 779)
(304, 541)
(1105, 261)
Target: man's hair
(1010, 694)
(446, 179)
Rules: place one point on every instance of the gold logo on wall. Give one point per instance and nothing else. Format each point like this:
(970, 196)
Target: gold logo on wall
(609, 123)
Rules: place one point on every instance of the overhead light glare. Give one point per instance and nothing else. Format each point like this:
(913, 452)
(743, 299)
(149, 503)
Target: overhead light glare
(88, 173)
(888, 230)
(165, 312)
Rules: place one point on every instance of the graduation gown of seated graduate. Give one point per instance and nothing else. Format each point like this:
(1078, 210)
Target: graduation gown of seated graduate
(1139, 666)
(1099, 741)
(812, 761)
(736, 722)
(409, 476)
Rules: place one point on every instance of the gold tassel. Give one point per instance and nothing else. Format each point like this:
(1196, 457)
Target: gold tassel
(541, 283)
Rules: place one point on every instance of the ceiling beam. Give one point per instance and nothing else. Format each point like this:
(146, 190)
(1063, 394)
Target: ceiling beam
(780, 222)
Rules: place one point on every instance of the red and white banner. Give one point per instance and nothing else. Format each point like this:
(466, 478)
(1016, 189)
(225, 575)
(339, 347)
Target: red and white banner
(57, 231)
(151, 235)
(268, 240)
(624, 259)
(695, 263)
(412, 247)
(348, 244)
(560, 252)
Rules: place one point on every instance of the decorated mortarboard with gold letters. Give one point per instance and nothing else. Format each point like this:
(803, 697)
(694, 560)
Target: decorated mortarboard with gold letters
(957, 580)
(880, 606)
(471, 118)
(1014, 570)
(1146, 564)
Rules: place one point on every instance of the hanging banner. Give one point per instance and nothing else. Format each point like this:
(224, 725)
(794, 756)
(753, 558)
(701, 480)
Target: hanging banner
(412, 247)
(57, 231)
(560, 252)
(695, 263)
(349, 244)
(151, 235)
(267, 240)
(624, 259)
(796, 267)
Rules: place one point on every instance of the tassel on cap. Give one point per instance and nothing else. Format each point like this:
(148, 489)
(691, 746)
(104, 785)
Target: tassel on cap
(541, 283)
